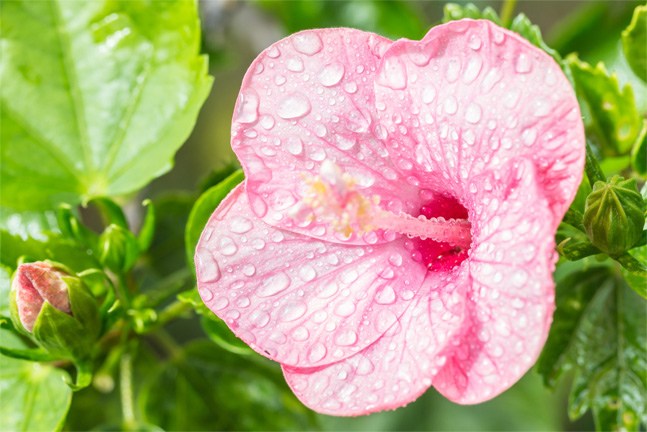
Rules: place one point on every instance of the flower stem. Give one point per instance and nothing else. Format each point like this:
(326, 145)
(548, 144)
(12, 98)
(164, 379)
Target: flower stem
(165, 341)
(126, 389)
(506, 12)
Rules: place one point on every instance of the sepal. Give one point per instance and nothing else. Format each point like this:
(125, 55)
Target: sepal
(118, 249)
(614, 215)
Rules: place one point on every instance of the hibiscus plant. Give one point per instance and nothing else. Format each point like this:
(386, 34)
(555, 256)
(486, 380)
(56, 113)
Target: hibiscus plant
(455, 211)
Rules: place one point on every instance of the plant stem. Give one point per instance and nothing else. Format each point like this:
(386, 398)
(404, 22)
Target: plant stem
(506, 12)
(167, 342)
(122, 288)
(169, 286)
(127, 393)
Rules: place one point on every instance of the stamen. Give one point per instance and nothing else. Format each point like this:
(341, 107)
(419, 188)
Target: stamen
(332, 197)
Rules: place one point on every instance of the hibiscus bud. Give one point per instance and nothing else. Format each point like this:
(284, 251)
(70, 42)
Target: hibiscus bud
(118, 248)
(50, 303)
(614, 215)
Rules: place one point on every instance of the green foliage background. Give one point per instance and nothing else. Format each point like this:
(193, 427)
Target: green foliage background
(167, 362)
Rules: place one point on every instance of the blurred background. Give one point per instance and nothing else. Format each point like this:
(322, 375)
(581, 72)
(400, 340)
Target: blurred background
(234, 32)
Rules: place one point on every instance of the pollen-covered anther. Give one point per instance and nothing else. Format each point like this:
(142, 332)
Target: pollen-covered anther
(333, 197)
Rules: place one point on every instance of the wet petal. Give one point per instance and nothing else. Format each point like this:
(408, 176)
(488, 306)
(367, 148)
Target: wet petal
(397, 368)
(511, 297)
(298, 107)
(475, 97)
(295, 299)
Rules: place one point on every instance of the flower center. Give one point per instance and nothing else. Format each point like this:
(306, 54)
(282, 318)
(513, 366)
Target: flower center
(441, 230)
(440, 255)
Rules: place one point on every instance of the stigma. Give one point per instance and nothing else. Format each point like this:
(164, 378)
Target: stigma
(332, 196)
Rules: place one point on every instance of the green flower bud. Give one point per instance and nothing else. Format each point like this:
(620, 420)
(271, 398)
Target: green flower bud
(615, 215)
(118, 248)
(52, 305)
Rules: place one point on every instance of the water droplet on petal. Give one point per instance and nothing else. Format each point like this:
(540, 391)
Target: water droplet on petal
(300, 334)
(428, 94)
(294, 106)
(472, 69)
(511, 97)
(295, 64)
(220, 304)
(474, 42)
(345, 308)
(247, 107)
(350, 87)
(450, 105)
(267, 122)
(331, 74)
(240, 225)
(346, 337)
(249, 270)
(292, 311)
(227, 246)
(294, 145)
(386, 295)
(308, 43)
(328, 290)
(349, 276)
(523, 63)
(273, 285)
(473, 113)
(540, 107)
(344, 142)
(273, 52)
(364, 366)
(208, 269)
(529, 136)
(452, 69)
(307, 273)
(316, 352)
(259, 318)
(392, 74)
(492, 77)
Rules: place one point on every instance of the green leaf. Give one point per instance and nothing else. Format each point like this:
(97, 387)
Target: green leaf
(110, 211)
(600, 332)
(522, 25)
(573, 244)
(573, 295)
(28, 223)
(453, 12)
(54, 247)
(5, 287)
(102, 94)
(204, 207)
(192, 297)
(167, 253)
(34, 396)
(639, 152)
(209, 388)
(610, 114)
(147, 231)
(610, 351)
(218, 331)
(636, 278)
(634, 41)
(394, 19)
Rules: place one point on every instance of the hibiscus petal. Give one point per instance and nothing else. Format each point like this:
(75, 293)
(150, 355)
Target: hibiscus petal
(511, 297)
(305, 99)
(397, 368)
(475, 96)
(295, 299)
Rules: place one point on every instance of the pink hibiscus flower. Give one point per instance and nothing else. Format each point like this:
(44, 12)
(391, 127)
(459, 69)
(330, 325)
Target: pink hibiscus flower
(395, 229)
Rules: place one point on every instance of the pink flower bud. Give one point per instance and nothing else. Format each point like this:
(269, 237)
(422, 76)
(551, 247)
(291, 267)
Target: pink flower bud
(36, 283)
